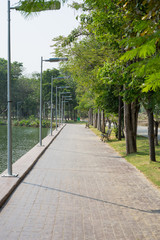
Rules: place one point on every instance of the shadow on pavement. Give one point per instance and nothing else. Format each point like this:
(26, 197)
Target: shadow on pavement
(94, 199)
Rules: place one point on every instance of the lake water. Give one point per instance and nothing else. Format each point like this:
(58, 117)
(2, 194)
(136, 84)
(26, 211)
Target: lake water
(23, 139)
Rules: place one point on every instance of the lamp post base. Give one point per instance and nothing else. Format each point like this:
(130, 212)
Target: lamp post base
(8, 175)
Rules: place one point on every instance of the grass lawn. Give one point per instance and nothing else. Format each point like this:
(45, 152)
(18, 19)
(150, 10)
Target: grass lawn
(140, 159)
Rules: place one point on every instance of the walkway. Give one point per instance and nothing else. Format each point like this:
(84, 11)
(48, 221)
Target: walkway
(143, 131)
(80, 189)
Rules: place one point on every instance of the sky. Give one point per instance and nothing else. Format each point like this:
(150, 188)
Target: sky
(31, 38)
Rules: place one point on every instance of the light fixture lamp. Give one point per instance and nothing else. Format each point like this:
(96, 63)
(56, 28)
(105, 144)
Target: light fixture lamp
(23, 8)
(40, 109)
(53, 78)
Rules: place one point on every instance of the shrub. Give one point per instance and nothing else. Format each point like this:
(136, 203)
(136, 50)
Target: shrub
(32, 118)
(22, 122)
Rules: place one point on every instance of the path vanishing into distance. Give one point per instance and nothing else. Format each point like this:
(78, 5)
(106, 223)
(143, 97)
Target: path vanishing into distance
(81, 189)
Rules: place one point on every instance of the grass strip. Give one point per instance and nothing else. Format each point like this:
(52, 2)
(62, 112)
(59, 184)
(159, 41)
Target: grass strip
(140, 159)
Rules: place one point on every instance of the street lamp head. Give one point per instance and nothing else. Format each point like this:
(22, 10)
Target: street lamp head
(65, 92)
(30, 7)
(56, 59)
(58, 78)
(69, 96)
(64, 87)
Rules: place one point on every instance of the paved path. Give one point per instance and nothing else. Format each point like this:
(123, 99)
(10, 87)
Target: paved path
(80, 189)
(143, 131)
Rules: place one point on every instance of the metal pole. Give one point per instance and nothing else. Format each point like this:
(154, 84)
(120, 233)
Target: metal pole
(68, 111)
(9, 126)
(59, 107)
(17, 110)
(51, 102)
(9, 129)
(56, 108)
(40, 109)
(62, 111)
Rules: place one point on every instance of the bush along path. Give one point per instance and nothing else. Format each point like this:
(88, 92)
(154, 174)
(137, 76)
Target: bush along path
(33, 123)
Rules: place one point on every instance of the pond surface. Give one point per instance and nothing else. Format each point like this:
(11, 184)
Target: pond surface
(23, 139)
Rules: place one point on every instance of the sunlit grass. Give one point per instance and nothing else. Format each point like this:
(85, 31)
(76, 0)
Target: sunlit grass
(74, 122)
(140, 159)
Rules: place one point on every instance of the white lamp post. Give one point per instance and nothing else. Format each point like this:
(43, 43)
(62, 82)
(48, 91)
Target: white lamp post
(61, 93)
(66, 99)
(55, 6)
(52, 100)
(59, 102)
(9, 101)
(56, 98)
(63, 97)
(40, 111)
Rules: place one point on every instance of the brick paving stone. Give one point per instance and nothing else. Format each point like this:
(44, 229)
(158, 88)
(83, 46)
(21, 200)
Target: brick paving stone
(81, 189)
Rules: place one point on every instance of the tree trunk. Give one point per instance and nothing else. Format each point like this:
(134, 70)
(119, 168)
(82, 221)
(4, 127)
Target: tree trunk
(95, 120)
(71, 113)
(130, 127)
(156, 123)
(135, 106)
(120, 118)
(99, 121)
(151, 135)
(90, 116)
(103, 125)
(68, 111)
(75, 115)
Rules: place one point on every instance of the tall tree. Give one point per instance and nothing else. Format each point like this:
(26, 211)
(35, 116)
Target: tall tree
(142, 53)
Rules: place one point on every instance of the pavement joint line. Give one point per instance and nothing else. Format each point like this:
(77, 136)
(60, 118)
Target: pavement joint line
(23, 166)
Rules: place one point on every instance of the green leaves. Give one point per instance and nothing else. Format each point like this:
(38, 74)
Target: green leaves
(146, 50)
(116, 47)
(152, 83)
(34, 6)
